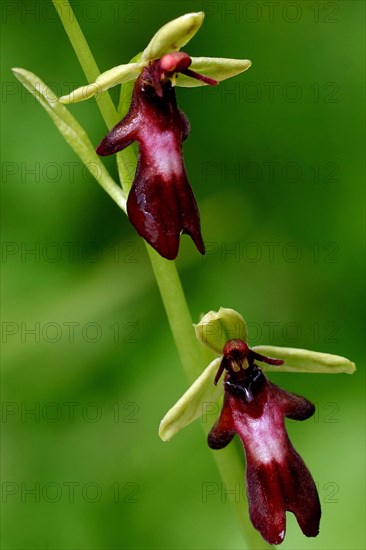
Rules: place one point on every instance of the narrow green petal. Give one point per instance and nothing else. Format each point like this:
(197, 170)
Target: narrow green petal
(303, 360)
(173, 36)
(192, 404)
(216, 328)
(217, 68)
(112, 77)
(72, 132)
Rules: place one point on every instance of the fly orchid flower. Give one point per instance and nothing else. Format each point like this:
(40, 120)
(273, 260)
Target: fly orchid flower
(277, 478)
(161, 204)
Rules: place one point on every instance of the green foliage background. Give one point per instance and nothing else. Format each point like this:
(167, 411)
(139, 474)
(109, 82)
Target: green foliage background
(309, 293)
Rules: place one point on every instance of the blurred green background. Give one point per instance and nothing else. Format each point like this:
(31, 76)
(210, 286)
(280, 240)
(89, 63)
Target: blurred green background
(89, 364)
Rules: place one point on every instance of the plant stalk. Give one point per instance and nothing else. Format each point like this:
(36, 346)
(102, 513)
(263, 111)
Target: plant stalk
(189, 349)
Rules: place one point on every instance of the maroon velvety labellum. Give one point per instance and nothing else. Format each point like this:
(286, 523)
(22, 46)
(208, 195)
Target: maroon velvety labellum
(276, 476)
(161, 204)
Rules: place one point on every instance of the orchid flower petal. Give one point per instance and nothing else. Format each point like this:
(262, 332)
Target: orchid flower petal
(173, 36)
(217, 68)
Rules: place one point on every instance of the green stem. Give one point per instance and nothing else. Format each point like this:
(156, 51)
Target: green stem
(231, 468)
(179, 318)
(190, 352)
(85, 57)
(126, 159)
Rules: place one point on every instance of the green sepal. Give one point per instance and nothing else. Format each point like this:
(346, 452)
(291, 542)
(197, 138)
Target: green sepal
(173, 36)
(217, 68)
(189, 406)
(303, 360)
(106, 80)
